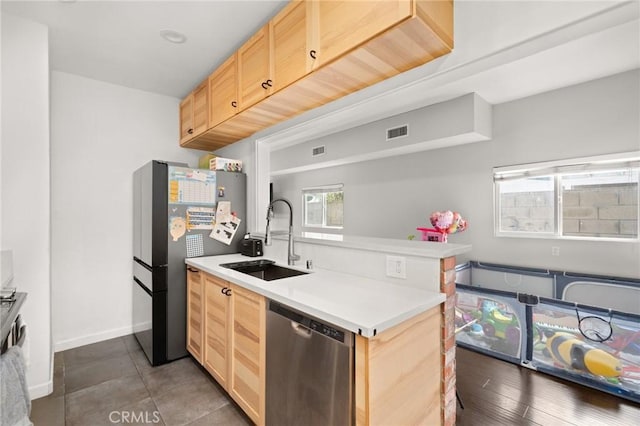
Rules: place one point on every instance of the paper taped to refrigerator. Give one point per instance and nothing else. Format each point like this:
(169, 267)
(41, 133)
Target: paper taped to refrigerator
(195, 245)
(225, 230)
(177, 227)
(200, 218)
(223, 211)
(189, 186)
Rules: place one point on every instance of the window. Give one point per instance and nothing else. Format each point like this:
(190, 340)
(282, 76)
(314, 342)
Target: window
(592, 198)
(323, 207)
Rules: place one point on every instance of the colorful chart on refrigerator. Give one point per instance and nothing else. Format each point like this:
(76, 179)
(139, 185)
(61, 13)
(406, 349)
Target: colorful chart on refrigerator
(190, 186)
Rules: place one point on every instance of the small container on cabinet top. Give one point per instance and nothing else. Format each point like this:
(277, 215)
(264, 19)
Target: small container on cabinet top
(225, 164)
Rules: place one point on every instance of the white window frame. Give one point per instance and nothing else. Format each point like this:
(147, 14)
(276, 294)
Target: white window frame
(323, 228)
(557, 169)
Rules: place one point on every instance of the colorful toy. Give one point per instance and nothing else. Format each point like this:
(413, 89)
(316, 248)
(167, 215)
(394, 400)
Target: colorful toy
(497, 323)
(431, 234)
(568, 350)
(476, 330)
(444, 223)
(448, 222)
(628, 342)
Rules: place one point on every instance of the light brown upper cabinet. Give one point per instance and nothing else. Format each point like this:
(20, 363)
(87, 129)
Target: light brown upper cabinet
(314, 52)
(307, 34)
(194, 113)
(292, 42)
(186, 119)
(346, 24)
(254, 69)
(223, 92)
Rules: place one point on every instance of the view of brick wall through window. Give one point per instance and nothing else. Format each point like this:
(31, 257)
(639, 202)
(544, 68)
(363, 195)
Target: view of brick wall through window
(527, 211)
(606, 210)
(601, 211)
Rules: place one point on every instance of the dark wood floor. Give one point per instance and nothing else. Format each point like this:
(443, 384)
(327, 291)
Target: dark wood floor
(496, 392)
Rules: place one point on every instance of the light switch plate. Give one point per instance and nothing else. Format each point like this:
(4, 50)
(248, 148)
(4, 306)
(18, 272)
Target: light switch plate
(397, 267)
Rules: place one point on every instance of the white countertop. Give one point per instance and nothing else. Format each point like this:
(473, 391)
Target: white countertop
(361, 305)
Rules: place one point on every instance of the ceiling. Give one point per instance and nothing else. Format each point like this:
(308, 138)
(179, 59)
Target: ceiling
(504, 49)
(119, 41)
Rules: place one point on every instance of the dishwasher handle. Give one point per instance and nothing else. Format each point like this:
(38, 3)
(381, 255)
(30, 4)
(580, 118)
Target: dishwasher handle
(301, 330)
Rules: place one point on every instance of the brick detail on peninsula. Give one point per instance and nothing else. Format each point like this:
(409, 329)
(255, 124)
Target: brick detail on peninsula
(448, 342)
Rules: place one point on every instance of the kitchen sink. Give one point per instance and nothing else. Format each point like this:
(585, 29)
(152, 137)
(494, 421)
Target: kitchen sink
(264, 269)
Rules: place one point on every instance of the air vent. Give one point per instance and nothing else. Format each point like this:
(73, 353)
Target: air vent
(318, 150)
(397, 132)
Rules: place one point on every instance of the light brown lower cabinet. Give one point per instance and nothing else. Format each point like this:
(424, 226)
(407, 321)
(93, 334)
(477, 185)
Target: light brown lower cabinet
(217, 330)
(234, 348)
(195, 313)
(397, 372)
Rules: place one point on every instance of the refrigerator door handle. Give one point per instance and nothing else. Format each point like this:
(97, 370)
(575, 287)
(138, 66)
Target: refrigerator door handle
(149, 267)
(144, 287)
(139, 261)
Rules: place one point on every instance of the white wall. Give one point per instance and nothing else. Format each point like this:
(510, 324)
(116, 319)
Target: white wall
(100, 134)
(421, 272)
(25, 184)
(465, 119)
(391, 197)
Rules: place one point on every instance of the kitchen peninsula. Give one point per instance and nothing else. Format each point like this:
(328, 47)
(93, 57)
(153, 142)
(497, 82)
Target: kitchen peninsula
(403, 327)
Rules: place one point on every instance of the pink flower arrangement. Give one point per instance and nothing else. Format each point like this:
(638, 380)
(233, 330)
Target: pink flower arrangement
(448, 222)
(444, 223)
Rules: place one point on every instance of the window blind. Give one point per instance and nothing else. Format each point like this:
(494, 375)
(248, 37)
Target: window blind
(623, 161)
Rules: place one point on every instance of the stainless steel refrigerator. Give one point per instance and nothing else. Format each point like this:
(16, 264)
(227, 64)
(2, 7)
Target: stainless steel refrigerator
(174, 211)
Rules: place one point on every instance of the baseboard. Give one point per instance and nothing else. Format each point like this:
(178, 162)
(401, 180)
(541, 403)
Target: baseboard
(91, 338)
(38, 391)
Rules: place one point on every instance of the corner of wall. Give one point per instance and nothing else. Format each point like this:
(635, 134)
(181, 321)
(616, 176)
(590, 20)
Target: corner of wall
(483, 114)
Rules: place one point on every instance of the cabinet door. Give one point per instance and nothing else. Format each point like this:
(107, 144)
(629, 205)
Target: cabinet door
(346, 24)
(223, 90)
(254, 69)
(216, 328)
(290, 56)
(247, 380)
(201, 108)
(194, 313)
(186, 119)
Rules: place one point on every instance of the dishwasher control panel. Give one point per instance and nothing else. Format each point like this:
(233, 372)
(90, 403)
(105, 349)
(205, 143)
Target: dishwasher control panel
(312, 324)
(327, 330)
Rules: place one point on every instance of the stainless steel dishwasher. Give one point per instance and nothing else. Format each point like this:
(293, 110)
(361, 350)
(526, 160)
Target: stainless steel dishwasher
(309, 370)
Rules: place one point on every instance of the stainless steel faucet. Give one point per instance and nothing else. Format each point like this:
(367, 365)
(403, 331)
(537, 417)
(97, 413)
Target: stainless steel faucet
(292, 257)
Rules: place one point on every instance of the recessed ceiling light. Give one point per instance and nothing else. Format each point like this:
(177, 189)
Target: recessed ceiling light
(173, 36)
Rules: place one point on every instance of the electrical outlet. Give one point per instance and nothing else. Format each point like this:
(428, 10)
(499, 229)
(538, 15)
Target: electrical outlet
(397, 267)
(555, 251)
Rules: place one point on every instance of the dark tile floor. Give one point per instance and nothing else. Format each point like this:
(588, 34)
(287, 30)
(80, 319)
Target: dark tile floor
(112, 382)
